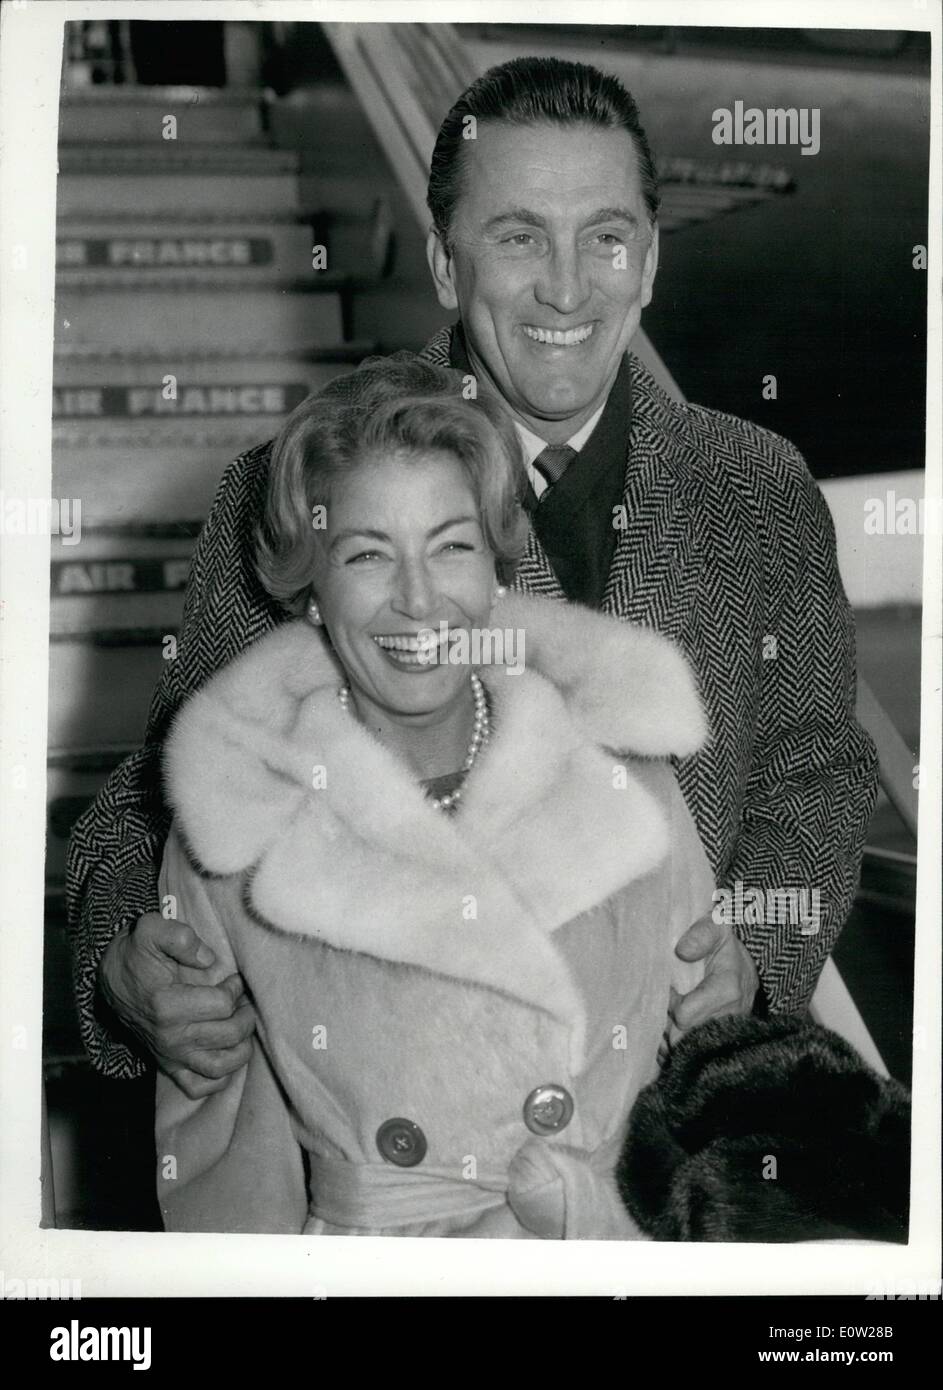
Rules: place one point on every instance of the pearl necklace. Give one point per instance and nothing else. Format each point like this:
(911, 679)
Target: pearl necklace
(481, 732)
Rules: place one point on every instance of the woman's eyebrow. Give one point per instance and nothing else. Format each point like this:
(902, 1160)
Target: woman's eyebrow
(357, 533)
(354, 533)
(455, 521)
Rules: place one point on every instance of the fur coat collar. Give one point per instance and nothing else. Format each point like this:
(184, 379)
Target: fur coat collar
(270, 776)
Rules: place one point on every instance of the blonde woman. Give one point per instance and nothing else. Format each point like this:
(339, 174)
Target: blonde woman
(453, 891)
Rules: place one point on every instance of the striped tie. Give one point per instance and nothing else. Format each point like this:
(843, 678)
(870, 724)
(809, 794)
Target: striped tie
(553, 462)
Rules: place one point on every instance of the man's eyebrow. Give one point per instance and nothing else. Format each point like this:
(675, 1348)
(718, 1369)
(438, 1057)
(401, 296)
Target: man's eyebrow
(611, 215)
(519, 215)
(528, 218)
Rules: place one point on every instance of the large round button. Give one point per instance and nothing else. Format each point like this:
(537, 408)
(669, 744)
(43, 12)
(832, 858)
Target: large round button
(548, 1109)
(401, 1142)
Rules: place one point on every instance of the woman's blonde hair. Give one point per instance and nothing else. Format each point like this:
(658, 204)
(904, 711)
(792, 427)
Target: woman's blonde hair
(390, 405)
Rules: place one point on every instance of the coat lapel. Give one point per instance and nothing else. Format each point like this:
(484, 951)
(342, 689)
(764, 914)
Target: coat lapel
(652, 553)
(535, 574)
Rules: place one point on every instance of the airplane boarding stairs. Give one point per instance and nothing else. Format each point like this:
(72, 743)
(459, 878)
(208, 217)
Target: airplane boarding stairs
(192, 314)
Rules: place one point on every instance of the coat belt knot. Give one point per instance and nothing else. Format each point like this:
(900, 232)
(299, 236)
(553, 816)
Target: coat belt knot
(555, 1192)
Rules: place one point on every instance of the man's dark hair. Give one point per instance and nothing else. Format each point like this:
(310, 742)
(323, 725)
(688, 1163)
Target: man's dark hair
(528, 91)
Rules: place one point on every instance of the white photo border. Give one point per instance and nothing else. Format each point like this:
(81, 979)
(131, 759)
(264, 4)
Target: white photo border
(157, 1264)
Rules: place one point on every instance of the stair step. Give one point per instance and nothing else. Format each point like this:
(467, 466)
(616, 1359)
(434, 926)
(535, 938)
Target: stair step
(111, 582)
(362, 246)
(81, 356)
(121, 381)
(139, 462)
(341, 194)
(100, 693)
(118, 250)
(173, 319)
(100, 759)
(124, 159)
(122, 113)
(121, 566)
(172, 548)
(79, 618)
(329, 122)
(119, 593)
(131, 486)
(111, 248)
(90, 390)
(133, 457)
(150, 191)
(188, 430)
(118, 574)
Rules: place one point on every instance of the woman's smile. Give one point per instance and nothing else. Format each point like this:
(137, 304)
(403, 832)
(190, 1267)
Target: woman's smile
(417, 652)
(404, 570)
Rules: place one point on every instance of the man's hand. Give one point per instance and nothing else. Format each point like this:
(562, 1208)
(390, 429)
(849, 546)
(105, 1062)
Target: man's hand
(198, 1034)
(730, 980)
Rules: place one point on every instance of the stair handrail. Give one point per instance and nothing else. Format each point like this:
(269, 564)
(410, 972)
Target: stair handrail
(897, 769)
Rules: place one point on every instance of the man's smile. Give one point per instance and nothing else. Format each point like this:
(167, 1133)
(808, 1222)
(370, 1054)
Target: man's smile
(559, 337)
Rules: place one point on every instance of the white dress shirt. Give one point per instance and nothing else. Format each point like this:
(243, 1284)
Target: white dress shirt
(533, 445)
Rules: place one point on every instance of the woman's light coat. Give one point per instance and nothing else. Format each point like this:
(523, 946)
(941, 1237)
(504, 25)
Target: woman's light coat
(412, 966)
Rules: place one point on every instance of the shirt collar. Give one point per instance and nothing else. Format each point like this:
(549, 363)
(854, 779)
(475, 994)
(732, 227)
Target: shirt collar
(533, 445)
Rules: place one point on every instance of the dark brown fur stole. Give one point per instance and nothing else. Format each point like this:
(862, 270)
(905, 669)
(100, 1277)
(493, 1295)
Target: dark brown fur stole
(768, 1130)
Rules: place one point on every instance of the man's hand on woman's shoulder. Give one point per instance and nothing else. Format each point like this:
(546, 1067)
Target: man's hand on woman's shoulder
(198, 1034)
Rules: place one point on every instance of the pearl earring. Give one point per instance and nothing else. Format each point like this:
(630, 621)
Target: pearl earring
(314, 614)
(499, 591)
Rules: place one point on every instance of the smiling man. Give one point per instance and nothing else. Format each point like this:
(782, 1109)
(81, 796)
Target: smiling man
(550, 255)
(708, 528)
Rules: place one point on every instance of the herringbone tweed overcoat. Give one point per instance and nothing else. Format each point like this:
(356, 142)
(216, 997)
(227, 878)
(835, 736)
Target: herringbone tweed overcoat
(725, 545)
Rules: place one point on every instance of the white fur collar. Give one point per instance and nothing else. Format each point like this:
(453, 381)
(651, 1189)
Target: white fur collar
(365, 863)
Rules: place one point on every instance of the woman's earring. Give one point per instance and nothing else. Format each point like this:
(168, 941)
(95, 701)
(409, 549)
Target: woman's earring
(499, 591)
(314, 614)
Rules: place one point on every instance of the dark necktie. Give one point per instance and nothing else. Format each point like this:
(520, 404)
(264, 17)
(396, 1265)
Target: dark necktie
(553, 462)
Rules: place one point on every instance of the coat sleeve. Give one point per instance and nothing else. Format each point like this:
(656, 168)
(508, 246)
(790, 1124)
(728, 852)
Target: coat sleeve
(812, 783)
(691, 885)
(115, 847)
(686, 872)
(230, 1161)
